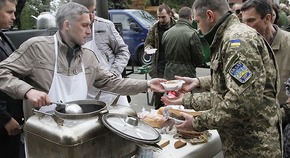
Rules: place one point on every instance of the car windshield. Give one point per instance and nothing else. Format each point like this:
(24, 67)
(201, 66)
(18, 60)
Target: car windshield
(144, 17)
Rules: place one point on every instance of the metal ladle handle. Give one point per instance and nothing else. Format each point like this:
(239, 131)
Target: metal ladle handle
(58, 103)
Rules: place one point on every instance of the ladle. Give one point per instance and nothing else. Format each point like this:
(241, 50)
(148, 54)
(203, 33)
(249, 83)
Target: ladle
(71, 108)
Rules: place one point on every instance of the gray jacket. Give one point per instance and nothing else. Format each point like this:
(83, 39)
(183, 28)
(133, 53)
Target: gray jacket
(111, 44)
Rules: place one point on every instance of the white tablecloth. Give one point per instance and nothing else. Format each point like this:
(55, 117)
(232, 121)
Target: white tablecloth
(205, 150)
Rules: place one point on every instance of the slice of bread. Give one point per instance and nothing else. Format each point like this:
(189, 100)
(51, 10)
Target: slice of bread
(179, 144)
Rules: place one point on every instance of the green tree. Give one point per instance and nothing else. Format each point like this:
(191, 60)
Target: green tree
(27, 11)
(178, 3)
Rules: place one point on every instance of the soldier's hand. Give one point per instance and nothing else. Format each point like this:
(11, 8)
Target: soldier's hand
(189, 85)
(173, 101)
(37, 98)
(12, 127)
(187, 124)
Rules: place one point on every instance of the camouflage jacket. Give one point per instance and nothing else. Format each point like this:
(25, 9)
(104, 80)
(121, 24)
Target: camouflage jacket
(183, 50)
(242, 100)
(152, 40)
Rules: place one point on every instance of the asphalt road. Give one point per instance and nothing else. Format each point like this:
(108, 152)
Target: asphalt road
(139, 101)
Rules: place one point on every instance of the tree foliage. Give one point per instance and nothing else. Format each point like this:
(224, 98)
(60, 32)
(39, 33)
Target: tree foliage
(28, 10)
(178, 3)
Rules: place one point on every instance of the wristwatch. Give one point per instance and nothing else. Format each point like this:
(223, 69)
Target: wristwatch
(149, 86)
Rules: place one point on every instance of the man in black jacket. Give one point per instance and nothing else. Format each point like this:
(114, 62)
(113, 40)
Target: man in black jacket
(11, 113)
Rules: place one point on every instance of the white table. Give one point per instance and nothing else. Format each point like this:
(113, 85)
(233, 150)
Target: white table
(206, 150)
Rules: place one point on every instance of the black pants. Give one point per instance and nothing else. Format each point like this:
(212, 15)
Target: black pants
(157, 100)
(11, 146)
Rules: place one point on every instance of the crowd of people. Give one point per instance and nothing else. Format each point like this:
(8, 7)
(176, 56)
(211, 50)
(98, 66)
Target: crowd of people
(243, 98)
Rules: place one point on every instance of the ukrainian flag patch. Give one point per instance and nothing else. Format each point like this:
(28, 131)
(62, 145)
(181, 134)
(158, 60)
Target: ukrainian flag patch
(235, 43)
(240, 72)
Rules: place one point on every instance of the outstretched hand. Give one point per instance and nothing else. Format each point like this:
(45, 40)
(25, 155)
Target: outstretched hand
(156, 86)
(189, 85)
(173, 101)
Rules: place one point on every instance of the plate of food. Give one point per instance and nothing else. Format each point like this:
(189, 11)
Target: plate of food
(151, 51)
(172, 85)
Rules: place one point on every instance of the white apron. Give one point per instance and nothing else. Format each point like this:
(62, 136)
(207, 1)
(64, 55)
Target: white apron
(104, 64)
(66, 88)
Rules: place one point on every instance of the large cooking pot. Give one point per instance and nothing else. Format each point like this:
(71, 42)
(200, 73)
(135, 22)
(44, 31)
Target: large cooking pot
(45, 20)
(84, 135)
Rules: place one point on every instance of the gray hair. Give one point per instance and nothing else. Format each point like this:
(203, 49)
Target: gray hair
(184, 13)
(69, 11)
(86, 3)
(3, 3)
(201, 6)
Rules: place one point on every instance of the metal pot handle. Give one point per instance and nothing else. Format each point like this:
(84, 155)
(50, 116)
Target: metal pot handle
(114, 103)
(59, 121)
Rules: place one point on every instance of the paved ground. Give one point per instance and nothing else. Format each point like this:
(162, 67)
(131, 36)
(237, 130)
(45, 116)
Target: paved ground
(139, 101)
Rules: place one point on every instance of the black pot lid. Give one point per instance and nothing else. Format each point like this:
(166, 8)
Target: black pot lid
(131, 128)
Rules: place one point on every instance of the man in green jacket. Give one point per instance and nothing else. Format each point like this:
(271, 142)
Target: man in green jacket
(153, 40)
(183, 49)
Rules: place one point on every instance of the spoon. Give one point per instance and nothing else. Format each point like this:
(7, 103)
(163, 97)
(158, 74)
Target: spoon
(71, 108)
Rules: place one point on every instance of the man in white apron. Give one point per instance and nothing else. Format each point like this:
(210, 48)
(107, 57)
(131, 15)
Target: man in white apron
(110, 49)
(56, 68)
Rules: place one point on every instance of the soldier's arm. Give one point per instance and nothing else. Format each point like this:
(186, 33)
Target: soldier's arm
(242, 94)
(205, 82)
(197, 101)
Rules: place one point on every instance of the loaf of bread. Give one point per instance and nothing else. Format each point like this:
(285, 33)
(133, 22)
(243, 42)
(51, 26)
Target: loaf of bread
(154, 120)
(175, 113)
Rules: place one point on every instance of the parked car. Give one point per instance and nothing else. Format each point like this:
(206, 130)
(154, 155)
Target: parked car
(132, 24)
(135, 26)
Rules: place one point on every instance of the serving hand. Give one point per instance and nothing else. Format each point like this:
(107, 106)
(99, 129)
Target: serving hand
(37, 98)
(156, 86)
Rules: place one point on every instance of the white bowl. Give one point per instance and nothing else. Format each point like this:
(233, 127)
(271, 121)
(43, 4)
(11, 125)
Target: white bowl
(151, 51)
(172, 85)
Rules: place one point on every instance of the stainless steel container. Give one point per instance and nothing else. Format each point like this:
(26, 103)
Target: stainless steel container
(61, 135)
(45, 20)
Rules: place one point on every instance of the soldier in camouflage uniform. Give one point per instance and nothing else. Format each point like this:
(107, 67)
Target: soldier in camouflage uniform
(153, 40)
(243, 86)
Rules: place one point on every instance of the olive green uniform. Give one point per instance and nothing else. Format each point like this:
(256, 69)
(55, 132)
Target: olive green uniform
(183, 50)
(241, 103)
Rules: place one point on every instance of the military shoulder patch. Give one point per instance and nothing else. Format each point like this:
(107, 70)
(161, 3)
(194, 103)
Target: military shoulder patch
(235, 43)
(240, 72)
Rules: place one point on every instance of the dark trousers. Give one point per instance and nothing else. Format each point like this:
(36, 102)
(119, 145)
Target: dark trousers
(157, 100)
(11, 146)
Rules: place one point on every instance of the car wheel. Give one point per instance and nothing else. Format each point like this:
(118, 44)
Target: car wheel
(143, 58)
